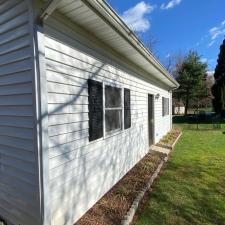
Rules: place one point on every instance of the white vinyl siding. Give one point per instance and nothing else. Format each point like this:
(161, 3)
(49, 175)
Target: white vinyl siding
(81, 172)
(19, 195)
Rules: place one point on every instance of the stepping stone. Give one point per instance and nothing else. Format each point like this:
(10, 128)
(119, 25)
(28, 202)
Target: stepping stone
(160, 149)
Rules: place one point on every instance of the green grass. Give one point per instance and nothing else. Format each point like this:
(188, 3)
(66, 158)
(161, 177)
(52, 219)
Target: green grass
(191, 188)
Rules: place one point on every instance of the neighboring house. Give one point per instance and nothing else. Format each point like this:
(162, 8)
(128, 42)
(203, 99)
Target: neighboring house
(178, 107)
(210, 78)
(81, 101)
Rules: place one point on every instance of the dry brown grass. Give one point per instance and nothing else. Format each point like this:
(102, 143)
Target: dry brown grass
(169, 139)
(111, 209)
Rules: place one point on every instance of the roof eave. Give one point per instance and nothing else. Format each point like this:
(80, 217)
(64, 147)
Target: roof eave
(105, 11)
(108, 13)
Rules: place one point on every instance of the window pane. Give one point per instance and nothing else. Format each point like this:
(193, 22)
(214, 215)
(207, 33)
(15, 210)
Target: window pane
(113, 120)
(112, 97)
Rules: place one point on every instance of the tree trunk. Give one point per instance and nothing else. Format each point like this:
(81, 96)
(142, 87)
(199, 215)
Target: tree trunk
(186, 102)
(186, 109)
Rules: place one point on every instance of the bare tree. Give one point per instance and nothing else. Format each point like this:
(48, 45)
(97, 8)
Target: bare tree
(151, 45)
(173, 61)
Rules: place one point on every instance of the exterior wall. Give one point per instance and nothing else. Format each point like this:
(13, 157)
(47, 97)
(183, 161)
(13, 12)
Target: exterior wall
(80, 172)
(19, 179)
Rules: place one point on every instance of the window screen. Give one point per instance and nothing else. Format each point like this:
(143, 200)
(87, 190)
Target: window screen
(95, 100)
(112, 97)
(113, 120)
(113, 109)
(127, 111)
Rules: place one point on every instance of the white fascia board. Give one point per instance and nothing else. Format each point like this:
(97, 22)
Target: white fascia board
(104, 10)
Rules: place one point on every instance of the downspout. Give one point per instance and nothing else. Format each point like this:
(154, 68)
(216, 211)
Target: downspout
(42, 107)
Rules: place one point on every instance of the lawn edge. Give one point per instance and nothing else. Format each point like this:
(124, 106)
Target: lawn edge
(175, 142)
(129, 216)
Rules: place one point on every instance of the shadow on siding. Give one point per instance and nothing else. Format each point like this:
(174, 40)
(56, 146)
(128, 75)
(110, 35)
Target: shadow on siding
(81, 172)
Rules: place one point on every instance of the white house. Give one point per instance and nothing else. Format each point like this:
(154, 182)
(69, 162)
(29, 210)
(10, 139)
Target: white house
(81, 101)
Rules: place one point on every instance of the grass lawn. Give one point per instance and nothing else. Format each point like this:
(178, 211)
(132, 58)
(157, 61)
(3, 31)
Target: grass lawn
(191, 188)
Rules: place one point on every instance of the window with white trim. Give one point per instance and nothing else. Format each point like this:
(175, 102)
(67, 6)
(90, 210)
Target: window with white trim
(109, 109)
(113, 109)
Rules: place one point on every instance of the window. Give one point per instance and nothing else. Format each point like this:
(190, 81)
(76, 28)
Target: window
(113, 109)
(109, 109)
(165, 106)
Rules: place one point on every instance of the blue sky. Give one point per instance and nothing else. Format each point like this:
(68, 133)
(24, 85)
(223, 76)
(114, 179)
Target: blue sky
(177, 25)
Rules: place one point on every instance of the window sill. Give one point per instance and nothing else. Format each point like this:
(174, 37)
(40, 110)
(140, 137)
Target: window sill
(117, 132)
(113, 133)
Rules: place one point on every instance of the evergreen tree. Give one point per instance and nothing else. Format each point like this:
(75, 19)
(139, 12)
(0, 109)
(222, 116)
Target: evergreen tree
(191, 75)
(218, 89)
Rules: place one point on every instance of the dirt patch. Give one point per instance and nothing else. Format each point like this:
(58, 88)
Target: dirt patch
(111, 209)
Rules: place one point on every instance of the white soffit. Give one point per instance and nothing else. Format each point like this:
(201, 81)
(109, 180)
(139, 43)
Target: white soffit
(110, 29)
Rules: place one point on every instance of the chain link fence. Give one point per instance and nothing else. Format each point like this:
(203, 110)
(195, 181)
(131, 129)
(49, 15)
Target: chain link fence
(200, 120)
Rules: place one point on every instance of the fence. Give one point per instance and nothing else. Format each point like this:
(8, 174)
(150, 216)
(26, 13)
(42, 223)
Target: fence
(199, 121)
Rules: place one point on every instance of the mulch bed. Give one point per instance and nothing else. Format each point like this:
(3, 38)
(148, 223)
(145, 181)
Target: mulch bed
(166, 141)
(111, 209)
(169, 139)
(113, 206)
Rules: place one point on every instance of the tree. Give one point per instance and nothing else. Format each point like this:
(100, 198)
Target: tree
(172, 61)
(191, 75)
(218, 89)
(151, 44)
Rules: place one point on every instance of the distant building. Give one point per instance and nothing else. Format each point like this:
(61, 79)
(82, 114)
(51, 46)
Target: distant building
(178, 107)
(210, 79)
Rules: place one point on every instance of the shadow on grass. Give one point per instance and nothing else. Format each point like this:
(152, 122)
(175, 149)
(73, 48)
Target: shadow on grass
(192, 119)
(190, 190)
(199, 203)
(199, 122)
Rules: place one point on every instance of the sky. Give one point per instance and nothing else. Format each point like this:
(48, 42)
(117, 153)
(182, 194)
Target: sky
(177, 25)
